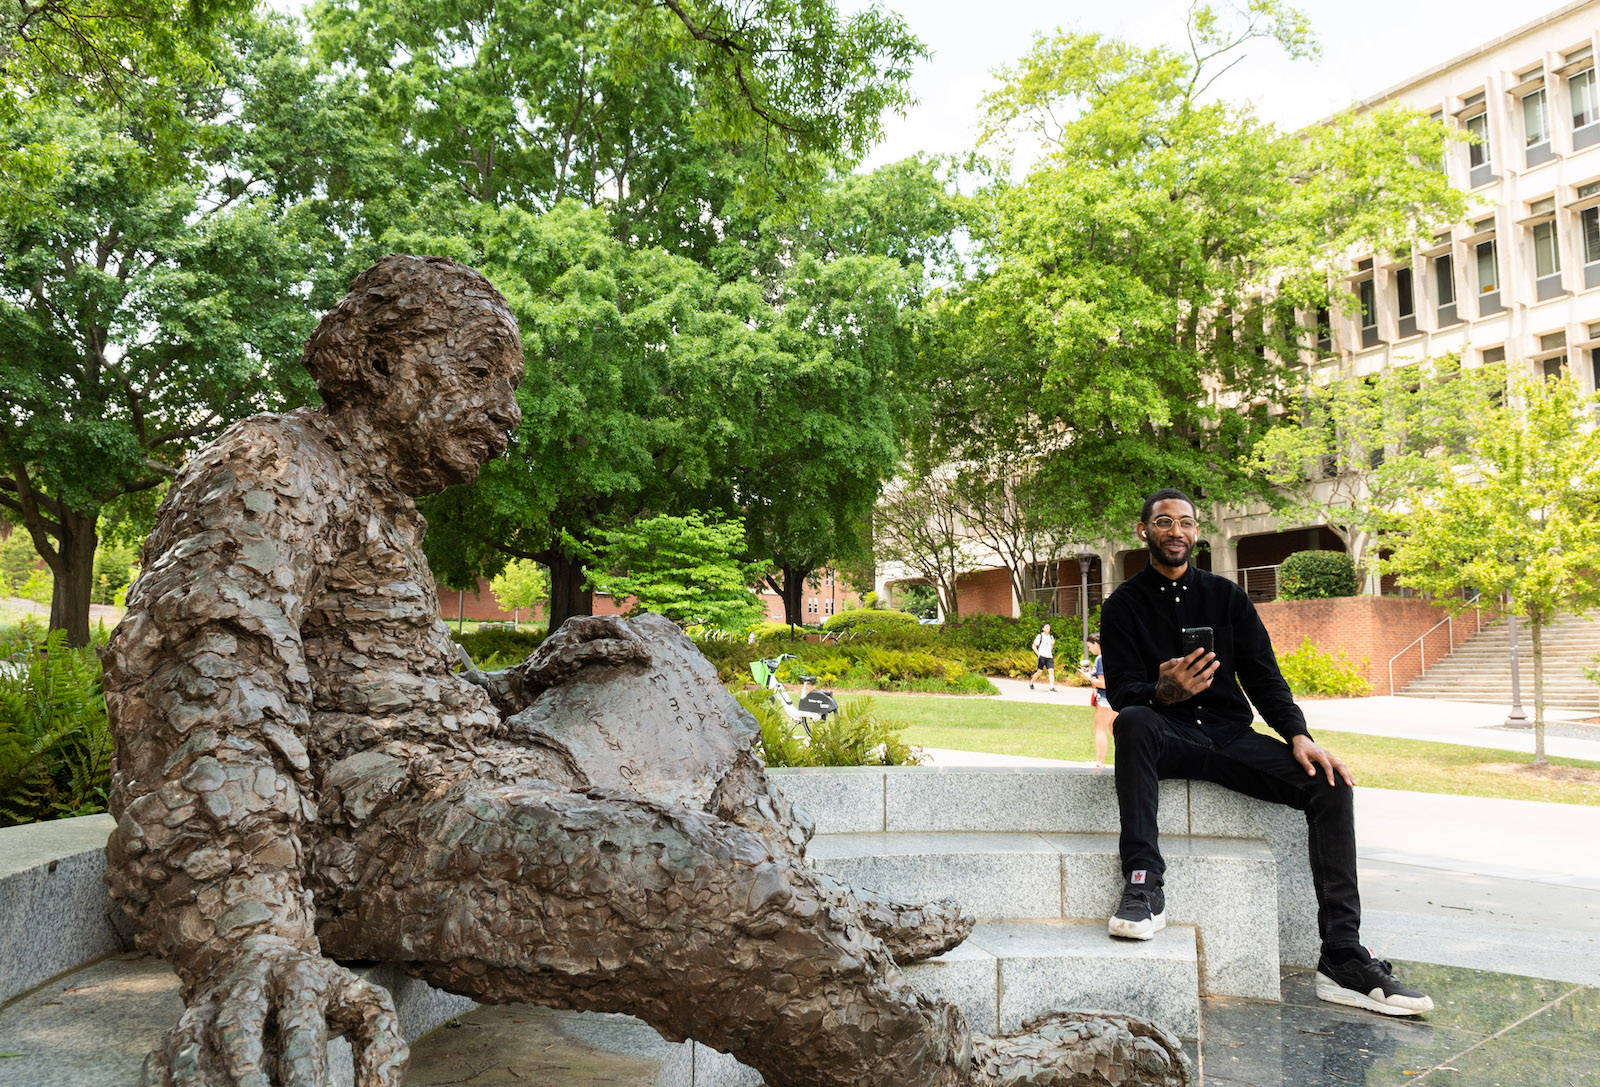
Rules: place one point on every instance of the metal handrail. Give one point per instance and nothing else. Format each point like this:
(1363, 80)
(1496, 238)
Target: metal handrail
(1421, 640)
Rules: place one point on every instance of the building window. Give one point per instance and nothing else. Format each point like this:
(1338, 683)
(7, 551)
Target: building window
(1368, 294)
(1536, 127)
(1594, 368)
(1585, 114)
(1478, 153)
(1554, 368)
(1546, 260)
(1324, 331)
(1493, 355)
(811, 606)
(827, 605)
(1405, 303)
(1488, 280)
(1444, 279)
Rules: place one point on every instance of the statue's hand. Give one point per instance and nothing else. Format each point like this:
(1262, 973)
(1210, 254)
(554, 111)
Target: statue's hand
(583, 639)
(265, 1021)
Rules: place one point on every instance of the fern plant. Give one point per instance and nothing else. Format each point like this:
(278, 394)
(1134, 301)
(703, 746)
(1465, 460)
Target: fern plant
(55, 743)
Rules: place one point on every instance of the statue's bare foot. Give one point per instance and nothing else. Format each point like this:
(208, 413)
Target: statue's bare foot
(1082, 1049)
(914, 932)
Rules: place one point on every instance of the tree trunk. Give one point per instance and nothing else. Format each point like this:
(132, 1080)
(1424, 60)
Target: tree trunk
(1536, 626)
(569, 595)
(791, 589)
(71, 563)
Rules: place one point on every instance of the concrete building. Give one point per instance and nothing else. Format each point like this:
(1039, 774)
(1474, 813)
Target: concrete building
(1518, 279)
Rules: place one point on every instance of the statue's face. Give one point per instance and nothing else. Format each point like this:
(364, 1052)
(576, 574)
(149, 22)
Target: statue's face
(451, 413)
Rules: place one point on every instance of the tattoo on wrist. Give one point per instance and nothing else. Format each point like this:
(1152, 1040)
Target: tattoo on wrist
(1168, 691)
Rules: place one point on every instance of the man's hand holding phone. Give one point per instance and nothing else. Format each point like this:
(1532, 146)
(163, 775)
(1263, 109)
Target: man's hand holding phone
(1184, 677)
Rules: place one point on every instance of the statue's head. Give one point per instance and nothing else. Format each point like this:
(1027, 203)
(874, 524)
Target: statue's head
(424, 356)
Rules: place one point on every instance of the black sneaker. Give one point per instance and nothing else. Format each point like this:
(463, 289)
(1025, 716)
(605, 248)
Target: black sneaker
(1368, 983)
(1143, 911)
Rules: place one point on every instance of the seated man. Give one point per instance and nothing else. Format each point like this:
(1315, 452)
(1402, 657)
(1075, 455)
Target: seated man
(304, 775)
(1184, 715)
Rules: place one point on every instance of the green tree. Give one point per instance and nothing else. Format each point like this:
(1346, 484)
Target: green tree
(917, 524)
(686, 568)
(521, 586)
(1354, 449)
(137, 57)
(156, 306)
(1523, 524)
(1119, 328)
(829, 405)
(615, 166)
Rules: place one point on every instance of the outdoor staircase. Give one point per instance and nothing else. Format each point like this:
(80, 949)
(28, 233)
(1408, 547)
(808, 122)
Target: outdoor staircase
(1031, 852)
(1480, 668)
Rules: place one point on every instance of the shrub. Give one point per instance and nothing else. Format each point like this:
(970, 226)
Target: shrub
(869, 620)
(113, 569)
(1003, 634)
(920, 600)
(855, 736)
(55, 743)
(499, 648)
(1317, 575)
(1310, 671)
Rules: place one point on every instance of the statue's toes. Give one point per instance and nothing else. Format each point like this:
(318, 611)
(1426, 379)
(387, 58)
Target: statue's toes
(1082, 1049)
(913, 932)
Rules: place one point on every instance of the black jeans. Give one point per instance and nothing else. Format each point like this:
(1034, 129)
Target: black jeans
(1151, 747)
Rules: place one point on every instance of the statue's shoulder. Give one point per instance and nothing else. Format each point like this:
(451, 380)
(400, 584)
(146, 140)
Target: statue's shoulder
(294, 450)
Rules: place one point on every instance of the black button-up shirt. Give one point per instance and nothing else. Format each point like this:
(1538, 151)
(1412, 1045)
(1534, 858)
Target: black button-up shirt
(1139, 630)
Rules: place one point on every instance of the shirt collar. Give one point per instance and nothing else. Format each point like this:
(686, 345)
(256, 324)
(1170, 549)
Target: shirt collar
(1161, 582)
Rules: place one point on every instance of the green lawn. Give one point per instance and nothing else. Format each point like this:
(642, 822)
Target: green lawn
(1066, 732)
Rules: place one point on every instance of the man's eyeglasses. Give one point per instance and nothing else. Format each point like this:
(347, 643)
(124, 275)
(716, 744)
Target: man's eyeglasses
(1188, 524)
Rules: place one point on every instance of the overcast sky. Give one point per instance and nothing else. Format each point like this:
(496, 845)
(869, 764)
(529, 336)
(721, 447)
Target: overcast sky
(1368, 46)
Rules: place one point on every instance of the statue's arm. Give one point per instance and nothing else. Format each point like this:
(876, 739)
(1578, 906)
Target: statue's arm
(209, 695)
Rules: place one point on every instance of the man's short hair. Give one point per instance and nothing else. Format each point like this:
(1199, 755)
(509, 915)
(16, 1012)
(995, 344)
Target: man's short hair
(399, 300)
(1161, 496)
(1094, 636)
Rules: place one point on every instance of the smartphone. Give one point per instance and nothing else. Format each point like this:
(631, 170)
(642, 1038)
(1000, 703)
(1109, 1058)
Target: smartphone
(1198, 638)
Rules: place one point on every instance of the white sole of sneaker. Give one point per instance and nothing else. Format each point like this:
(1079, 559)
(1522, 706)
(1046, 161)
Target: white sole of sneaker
(1137, 930)
(1334, 993)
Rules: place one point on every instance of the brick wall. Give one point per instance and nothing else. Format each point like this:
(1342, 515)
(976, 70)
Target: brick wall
(985, 591)
(480, 606)
(1371, 627)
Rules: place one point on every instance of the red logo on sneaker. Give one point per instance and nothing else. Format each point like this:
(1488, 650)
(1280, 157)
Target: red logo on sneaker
(1137, 877)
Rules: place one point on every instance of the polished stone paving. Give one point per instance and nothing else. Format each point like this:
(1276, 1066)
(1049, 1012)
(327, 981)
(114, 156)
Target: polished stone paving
(1486, 1030)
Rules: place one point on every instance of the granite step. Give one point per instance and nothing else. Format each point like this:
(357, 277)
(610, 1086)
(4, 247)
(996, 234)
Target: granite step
(1010, 971)
(1072, 800)
(1226, 887)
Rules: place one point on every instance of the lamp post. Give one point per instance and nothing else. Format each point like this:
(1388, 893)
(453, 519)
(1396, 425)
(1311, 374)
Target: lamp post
(1084, 559)
(1518, 717)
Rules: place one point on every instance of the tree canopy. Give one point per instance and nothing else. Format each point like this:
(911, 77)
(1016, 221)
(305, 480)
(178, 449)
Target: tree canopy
(1137, 297)
(1521, 521)
(152, 307)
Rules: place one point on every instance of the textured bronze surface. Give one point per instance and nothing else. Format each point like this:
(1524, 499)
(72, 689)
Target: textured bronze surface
(305, 774)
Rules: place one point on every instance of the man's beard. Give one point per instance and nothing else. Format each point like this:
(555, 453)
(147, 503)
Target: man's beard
(1158, 555)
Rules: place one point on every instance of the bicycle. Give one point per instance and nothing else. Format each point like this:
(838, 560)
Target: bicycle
(814, 705)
